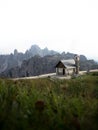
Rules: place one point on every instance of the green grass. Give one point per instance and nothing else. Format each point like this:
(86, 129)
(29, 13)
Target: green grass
(45, 104)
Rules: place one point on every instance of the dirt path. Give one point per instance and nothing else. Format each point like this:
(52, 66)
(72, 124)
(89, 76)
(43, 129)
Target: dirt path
(36, 77)
(53, 75)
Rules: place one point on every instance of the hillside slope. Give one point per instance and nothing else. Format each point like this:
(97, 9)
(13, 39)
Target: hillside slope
(45, 104)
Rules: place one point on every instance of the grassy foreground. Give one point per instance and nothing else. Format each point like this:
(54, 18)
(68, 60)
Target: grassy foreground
(45, 104)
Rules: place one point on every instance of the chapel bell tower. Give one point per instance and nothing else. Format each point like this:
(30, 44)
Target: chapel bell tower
(77, 59)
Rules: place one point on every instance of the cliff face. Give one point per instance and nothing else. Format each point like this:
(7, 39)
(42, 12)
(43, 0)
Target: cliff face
(35, 66)
(10, 61)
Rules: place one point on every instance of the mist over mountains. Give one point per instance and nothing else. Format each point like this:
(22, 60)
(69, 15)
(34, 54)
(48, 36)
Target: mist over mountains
(16, 58)
(36, 61)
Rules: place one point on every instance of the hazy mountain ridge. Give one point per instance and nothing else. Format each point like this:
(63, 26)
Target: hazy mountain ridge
(15, 59)
(37, 64)
(36, 50)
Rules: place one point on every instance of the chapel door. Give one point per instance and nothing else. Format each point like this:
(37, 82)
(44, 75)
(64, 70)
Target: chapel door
(63, 71)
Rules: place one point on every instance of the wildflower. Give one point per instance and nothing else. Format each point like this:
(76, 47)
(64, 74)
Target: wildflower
(64, 88)
(76, 122)
(40, 105)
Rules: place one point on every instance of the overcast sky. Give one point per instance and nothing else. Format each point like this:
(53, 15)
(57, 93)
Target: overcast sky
(62, 25)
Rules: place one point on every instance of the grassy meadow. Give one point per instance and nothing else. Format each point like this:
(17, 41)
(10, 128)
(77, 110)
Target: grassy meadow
(47, 104)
